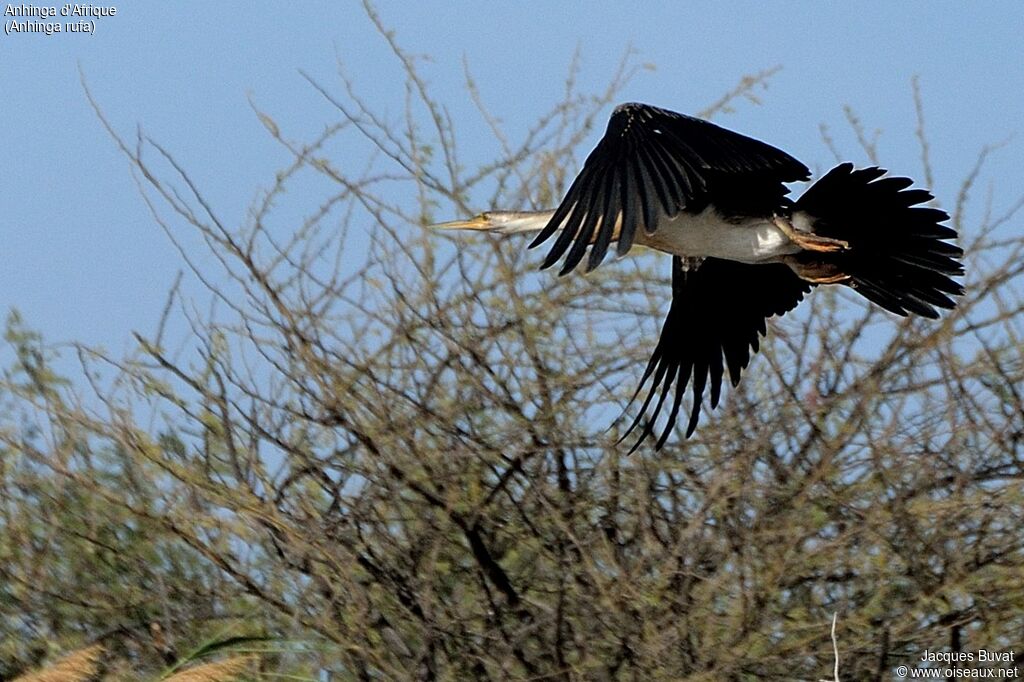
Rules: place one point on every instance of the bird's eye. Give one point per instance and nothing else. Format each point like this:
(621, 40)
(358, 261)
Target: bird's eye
(485, 215)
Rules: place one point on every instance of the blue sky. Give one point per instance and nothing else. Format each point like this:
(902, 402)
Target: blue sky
(83, 260)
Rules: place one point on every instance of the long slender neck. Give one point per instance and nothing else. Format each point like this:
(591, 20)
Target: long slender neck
(511, 222)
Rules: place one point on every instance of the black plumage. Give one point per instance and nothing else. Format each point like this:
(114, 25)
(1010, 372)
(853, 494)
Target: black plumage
(652, 163)
(872, 233)
(897, 256)
(716, 314)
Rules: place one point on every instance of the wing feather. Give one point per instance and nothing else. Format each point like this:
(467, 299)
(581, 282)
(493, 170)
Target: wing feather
(662, 163)
(717, 315)
(609, 216)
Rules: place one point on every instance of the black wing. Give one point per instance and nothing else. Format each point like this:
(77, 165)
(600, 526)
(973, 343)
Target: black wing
(653, 162)
(718, 309)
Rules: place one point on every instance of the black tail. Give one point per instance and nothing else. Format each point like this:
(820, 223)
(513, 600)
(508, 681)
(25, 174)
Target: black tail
(898, 257)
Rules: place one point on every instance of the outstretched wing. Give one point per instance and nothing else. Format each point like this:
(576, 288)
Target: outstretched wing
(650, 163)
(718, 314)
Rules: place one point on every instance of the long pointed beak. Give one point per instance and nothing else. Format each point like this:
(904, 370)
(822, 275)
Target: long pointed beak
(475, 223)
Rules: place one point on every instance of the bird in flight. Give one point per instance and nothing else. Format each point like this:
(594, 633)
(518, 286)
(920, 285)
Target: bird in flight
(742, 250)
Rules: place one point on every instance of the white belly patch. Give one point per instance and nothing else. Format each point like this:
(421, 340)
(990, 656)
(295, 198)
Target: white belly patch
(755, 240)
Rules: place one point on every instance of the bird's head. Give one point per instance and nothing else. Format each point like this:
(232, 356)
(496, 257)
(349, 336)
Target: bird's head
(501, 222)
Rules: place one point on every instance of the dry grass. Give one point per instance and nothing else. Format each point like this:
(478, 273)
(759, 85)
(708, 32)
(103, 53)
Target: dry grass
(75, 667)
(222, 671)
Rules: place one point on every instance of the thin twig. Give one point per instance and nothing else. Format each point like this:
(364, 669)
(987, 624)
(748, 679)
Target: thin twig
(835, 651)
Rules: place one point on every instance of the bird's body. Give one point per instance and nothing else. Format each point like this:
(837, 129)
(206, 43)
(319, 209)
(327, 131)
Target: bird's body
(709, 235)
(742, 250)
(688, 235)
